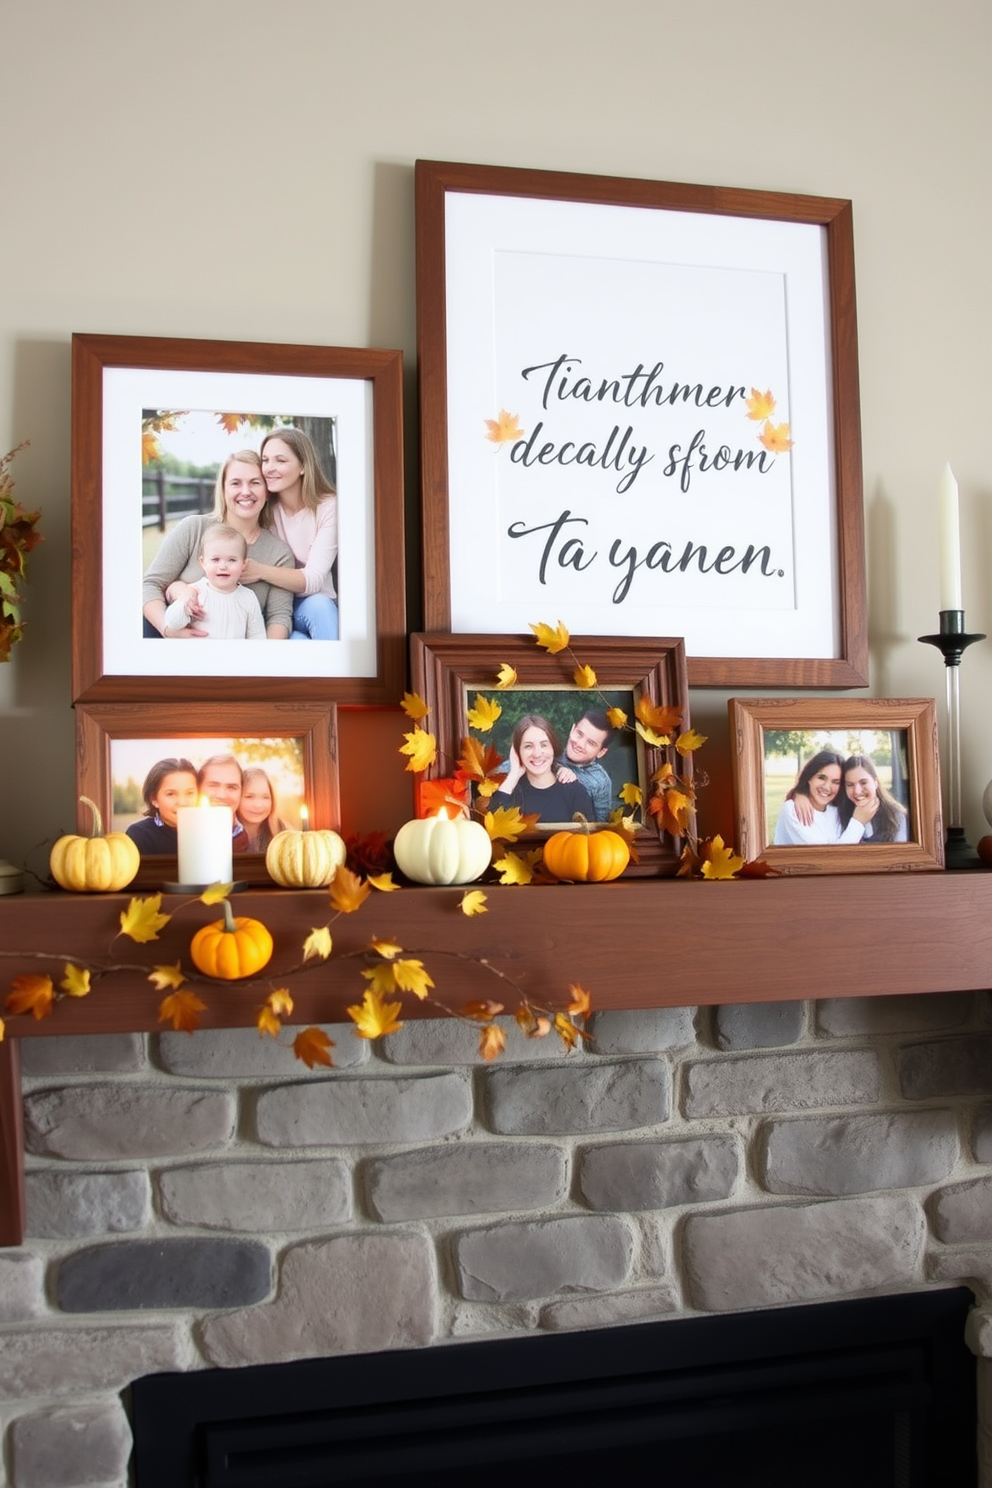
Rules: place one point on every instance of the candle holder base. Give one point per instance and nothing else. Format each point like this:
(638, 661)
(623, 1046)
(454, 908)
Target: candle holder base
(197, 889)
(958, 851)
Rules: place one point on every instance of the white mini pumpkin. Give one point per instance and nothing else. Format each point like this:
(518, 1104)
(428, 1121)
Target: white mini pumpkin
(439, 850)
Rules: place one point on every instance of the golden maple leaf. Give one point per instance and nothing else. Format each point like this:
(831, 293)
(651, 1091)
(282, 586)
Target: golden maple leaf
(554, 640)
(719, 861)
(318, 942)
(507, 823)
(662, 717)
(143, 919)
(478, 761)
(166, 976)
(673, 809)
(567, 1031)
(581, 1003)
(311, 1046)
(31, 994)
(230, 422)
(505, 428)
(414, 706)
(487, 788)
(689, 741)
(388, 949)
(216, 893)
(373, 1017)
(381, 977)
(421, 747)
(760, 406)
(775, 437)
(584, 676)
(617, 717)
(631, 794)
(649, 735)
(483, 714)
(76, 982)
(182, 1010)
(506, 676)
(347, 892)
(383, 882)
(268, 1022)
(412, 976)
(492, 1042)
(3, 1030)
(473, 902)
(150, 447)
(280, 1001)
(516, 868)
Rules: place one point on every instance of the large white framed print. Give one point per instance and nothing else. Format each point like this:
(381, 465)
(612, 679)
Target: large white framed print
(639, 413)
(165, 434)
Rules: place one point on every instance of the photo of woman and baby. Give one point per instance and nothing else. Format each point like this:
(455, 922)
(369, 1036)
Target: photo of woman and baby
(840, 795)
(262, 565)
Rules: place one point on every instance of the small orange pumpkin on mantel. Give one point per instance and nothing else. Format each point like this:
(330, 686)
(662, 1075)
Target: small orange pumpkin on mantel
(589, 855)
(231, 948)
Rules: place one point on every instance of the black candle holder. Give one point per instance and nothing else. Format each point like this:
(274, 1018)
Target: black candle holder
(952, 641)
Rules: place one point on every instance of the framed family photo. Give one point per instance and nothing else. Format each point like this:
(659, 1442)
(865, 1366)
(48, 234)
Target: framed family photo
(545, 722)
(831, 785)
(296, 452)
(639, 403)
(140, 762)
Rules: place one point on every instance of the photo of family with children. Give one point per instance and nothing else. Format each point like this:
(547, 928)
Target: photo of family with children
(562, 755)
(239, 526)
(836, 787)
(261, 780)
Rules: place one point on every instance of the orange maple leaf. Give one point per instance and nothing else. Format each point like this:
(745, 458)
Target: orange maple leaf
(567, 1031)
(268, 1022)
(758, 868)
(505, 428)
(760, 406)
(311, 1045)
(492, 1041)
(182, 1010)
(445, 793)
(230, 422)
(672, 808)
(661, 718)
(31, 994)
(481, 1012)
(581, 1003)
(347, 892)
(478, 761)
(150, 447)
(534, 1025)
(775, 437)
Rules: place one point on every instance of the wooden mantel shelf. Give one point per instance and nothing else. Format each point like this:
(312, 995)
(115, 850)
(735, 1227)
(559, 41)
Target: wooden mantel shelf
(634, 944)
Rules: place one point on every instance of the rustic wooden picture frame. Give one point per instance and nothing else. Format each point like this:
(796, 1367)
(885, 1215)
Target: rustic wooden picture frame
(751, 718)
(444, 667)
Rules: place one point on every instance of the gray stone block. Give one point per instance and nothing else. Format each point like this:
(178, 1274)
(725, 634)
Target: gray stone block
(258, 1196)
(642, 1030)
(349, 1112)
(466, 1178)
(139, 1274)
(516, 1262)
(856, 1154)
(946, 1067)
(68, 1206)
(83, 1054)
(776, 1255)
(22, 1284)
(125, 1120)
(71, 1446)
(609, 1311)
(846, 1016)
(448, 1041)
(586, 1097)
(658, 1175)
(244, 1053)
(961, 1214)
(758, 1025)
(962, 1267)
(982, 1135)
(355, 1294)
(71, 1360)
(780, 1082)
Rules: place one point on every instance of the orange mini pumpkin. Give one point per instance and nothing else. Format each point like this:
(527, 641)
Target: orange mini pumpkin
(586, 856)
(231, 948)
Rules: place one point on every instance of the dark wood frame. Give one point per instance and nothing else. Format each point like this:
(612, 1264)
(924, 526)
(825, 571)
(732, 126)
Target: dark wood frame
(91, 355)
(749, 717)
(99, 724)
(442, 666)
(435, 179)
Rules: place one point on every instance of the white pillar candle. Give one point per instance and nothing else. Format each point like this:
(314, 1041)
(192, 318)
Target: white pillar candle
(205, 843)
(949, 546)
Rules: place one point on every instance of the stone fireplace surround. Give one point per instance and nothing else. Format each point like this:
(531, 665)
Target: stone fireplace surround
(204, 1200)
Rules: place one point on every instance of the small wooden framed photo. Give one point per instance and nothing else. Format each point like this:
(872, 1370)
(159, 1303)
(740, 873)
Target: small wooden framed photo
(837, 785)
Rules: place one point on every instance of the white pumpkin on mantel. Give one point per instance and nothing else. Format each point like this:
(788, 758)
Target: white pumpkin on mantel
(439, 850)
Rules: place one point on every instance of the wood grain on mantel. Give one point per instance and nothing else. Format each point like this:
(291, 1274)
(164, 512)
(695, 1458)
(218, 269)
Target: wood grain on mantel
(632, 944)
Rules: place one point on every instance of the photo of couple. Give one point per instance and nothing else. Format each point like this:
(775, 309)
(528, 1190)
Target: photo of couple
(562, 756)
(260, 780)
(850, 788)
(261, 562)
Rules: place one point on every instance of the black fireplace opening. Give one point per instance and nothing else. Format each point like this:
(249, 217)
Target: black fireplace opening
(874, 1393)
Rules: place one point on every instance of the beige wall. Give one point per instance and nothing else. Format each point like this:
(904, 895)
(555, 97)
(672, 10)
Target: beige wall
(243, 169)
